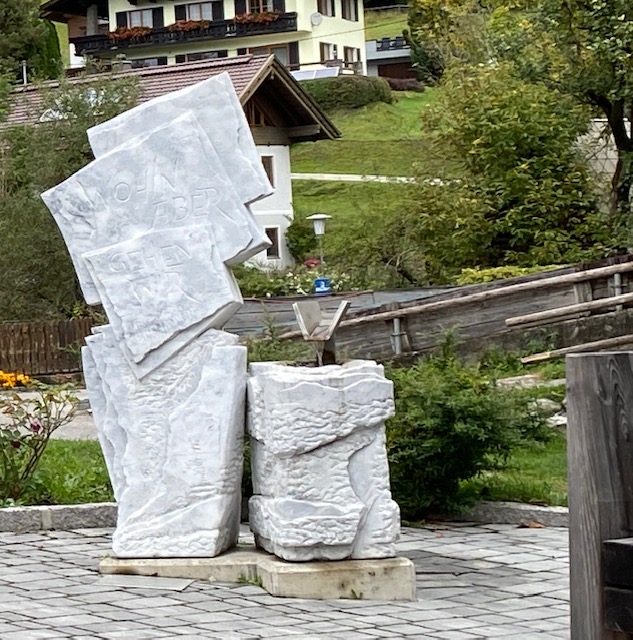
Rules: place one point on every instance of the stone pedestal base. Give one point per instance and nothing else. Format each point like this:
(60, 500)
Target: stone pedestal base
(384, 579)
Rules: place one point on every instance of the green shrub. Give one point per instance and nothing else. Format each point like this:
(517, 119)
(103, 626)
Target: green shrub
(451, 424)
(301, 240)
(348, 92)
(478, 275)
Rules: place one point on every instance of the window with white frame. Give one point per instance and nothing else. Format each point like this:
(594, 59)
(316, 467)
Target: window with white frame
(205, 10)
(273, 251)
(281, 51)
(140, 63)
(349, 10)
(351, 54)
(151, 18)
(326, 7)
(260, 6)
(328, 51)
(141, 18)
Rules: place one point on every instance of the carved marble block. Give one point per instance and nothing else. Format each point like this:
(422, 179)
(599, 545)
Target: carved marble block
(172, 444)
(319, 461)
(151, 225)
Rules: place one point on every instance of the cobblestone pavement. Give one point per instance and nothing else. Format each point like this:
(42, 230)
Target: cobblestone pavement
(474, 581)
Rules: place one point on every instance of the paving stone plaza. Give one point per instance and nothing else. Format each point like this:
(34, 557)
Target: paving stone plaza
(473, 581)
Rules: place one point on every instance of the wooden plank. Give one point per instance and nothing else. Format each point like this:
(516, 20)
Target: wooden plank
(553, 314)
(600, 463)
(618, 604)
(617, 562)
(596, 345)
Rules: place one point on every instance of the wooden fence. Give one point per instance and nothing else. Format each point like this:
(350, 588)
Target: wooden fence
(575, 308)
(40, 348)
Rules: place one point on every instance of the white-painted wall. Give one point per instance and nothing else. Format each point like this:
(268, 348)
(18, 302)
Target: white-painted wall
(276, 210)
(331, 30)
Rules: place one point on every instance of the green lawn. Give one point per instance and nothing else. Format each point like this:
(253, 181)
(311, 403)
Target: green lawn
(384, 24)
(382, 139)
(536, 474)
(75, 472)
(343, 199)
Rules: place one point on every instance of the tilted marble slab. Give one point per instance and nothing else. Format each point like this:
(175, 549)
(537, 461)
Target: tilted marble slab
(161, 282)
(170, 178)
(222, 117)
(319, 461)
(173, 444)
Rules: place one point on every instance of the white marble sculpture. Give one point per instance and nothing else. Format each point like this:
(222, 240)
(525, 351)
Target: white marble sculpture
(319, 463)
(151, 225)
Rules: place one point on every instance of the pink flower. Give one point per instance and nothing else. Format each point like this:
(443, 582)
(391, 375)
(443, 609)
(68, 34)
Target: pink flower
(36, 427)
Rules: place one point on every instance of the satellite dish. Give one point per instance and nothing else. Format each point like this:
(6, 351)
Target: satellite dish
(316, 19)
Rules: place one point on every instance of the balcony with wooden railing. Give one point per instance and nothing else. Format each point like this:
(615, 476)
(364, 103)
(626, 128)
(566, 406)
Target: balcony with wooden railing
(174, 35)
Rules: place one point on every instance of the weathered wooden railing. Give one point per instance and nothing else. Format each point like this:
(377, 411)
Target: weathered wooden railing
(565, 307)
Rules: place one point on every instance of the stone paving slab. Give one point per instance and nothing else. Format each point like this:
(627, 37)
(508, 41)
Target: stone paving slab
(468, 588)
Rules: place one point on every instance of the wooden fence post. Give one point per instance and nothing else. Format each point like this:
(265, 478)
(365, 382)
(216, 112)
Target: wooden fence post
(600, 461)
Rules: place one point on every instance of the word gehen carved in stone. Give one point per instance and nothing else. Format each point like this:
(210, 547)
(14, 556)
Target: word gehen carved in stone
(151, 225)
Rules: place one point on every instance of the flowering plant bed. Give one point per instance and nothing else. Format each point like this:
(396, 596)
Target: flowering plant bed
(188, 25)
(265, 17)
(12, 380)
(127, 33)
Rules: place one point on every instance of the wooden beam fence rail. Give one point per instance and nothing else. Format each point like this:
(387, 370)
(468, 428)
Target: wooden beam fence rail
(543, 317)
(482, 296)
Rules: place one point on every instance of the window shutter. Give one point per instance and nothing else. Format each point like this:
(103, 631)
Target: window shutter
(181, 12)
(333, 8)
(279, 5)
(293, 55)
(181, 58)
(218, 10)
(240, 7)
(157, 18)
(121, 20)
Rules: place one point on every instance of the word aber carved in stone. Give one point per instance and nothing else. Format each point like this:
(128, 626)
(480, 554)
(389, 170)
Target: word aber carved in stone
(151, 225)
(320, 471)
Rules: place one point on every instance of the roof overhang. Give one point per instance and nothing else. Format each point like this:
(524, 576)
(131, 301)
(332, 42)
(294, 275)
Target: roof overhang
(63, 10)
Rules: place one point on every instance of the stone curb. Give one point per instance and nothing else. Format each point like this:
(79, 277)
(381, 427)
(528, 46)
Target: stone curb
(59, 517)
(517, 513)
(103, 515)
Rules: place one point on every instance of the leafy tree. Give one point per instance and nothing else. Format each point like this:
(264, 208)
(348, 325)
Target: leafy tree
(524, 196)
(582, 49)
(25, 37)
(38, 277)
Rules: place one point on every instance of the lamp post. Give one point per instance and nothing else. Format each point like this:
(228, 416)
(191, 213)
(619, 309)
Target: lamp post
(318, 221)
(322, 284)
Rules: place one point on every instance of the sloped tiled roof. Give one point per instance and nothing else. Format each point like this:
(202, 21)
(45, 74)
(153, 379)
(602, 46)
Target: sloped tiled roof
(247, 74)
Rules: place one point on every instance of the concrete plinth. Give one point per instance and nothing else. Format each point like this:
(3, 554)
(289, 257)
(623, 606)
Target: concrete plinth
(385, 579)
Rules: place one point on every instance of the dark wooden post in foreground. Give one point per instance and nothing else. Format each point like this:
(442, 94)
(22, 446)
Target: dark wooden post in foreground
(600, 460)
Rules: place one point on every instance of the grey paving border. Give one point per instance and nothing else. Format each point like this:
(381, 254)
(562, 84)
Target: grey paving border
(517, 513)
(59, 517)
(103, 515)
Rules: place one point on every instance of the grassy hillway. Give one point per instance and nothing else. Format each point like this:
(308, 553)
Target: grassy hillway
(379, 139)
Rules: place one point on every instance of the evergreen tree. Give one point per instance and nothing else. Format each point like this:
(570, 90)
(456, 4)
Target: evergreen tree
(24, 36)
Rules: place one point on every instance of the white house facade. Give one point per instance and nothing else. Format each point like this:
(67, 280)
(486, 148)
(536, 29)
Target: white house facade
(303, 34)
